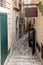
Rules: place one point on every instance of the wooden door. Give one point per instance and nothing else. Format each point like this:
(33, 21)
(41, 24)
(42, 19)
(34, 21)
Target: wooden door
(3, 37)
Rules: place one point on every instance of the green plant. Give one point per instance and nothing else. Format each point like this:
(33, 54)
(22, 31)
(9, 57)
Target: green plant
(41, 7)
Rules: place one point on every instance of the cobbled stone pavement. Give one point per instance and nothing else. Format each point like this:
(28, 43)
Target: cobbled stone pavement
(23, 55)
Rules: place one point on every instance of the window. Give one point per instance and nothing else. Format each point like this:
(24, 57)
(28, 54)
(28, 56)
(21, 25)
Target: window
(2, 3)
(15, 2)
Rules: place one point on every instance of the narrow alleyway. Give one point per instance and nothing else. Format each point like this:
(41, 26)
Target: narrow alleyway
(21, 32)
(23, 55)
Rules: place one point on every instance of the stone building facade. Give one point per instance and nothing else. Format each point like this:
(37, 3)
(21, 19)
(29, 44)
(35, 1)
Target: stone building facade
(39, 30)
(7, 6)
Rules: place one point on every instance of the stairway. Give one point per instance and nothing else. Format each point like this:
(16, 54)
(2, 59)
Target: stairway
(23, 56)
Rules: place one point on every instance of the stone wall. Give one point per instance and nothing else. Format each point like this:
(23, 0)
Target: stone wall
(9, 7)
(12, 14)
(15, 14)
(39, 33)
(35, 1)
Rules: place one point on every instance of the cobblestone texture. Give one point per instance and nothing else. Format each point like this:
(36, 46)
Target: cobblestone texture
(23, 55)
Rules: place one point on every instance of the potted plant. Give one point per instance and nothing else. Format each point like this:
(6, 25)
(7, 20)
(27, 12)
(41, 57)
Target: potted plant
(40, 6)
